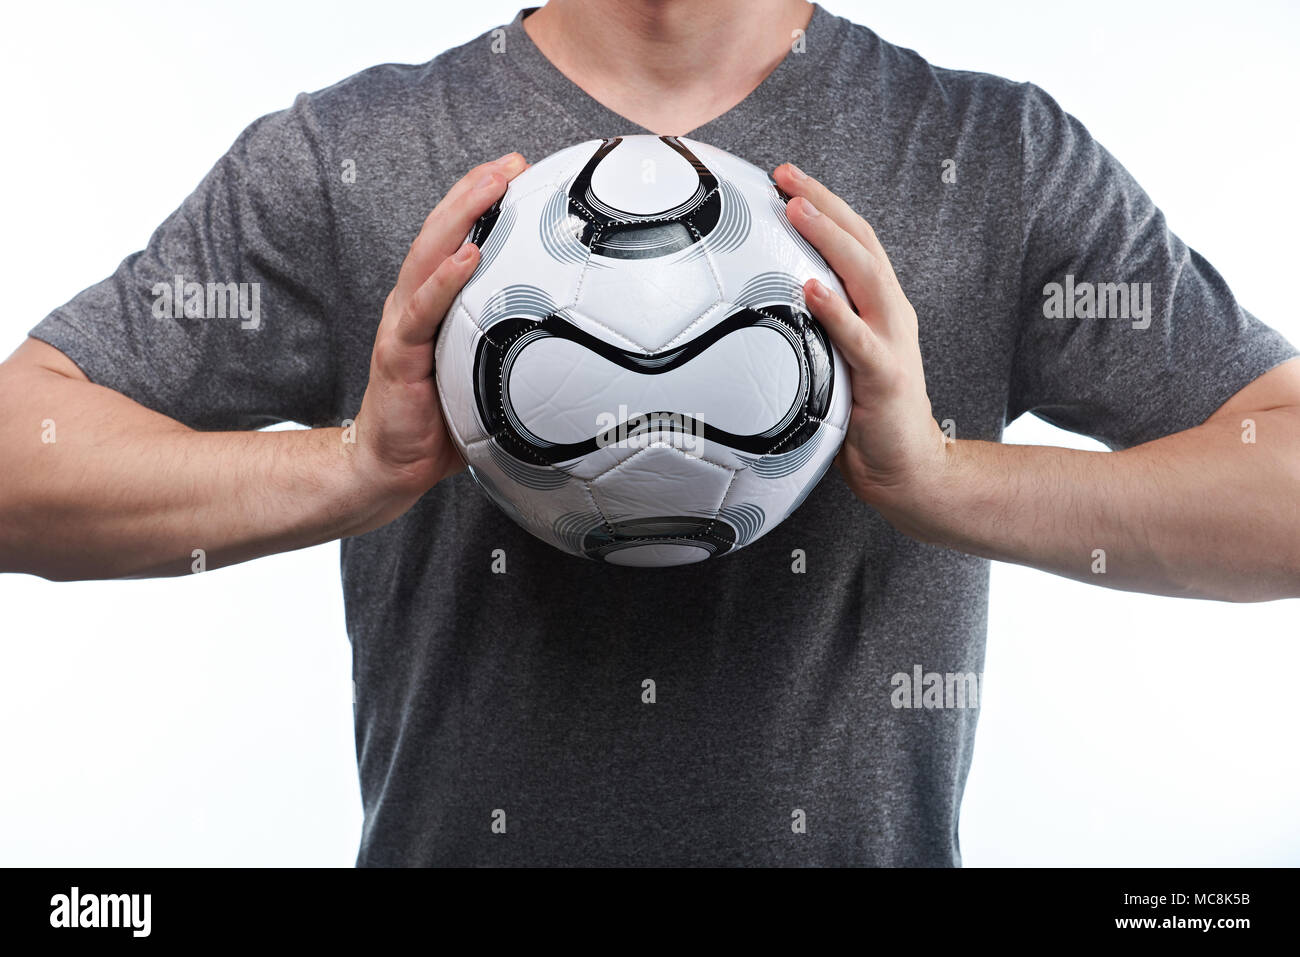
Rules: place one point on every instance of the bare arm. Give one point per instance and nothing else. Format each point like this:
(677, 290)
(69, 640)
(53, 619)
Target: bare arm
(123, 491)
(1201, 513)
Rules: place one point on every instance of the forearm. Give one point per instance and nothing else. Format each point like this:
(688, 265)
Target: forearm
(97, 486)
(1200, 513)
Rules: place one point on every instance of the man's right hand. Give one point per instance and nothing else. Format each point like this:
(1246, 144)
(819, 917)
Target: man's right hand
(403, 447)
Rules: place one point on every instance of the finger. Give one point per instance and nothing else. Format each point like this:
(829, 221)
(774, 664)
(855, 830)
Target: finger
(861, 348)
(449, 222)
(508, 166)
(796, 182)
(418, 320)
(866, 282)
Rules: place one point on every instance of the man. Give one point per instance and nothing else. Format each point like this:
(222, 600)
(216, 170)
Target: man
(500, 718)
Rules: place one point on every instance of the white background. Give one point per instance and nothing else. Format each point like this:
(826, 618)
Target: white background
(208, 720)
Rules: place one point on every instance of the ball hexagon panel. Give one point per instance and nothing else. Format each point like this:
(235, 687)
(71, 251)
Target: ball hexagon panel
(661, 481)
(646, 303)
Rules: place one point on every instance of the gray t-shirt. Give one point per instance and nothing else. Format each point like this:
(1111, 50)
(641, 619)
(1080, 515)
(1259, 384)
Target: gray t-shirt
(775, 734)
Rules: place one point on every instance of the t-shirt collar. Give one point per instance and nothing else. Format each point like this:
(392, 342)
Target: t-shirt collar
(791, 86)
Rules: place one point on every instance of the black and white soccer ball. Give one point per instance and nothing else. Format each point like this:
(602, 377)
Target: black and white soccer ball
(631, 373)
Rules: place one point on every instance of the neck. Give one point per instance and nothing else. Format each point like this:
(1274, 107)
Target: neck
(667, 65)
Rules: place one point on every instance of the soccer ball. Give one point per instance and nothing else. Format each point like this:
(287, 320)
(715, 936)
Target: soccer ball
(631, 373)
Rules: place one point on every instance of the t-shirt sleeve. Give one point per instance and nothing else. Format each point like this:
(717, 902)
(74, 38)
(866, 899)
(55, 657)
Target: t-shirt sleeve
(1126, 334)
(226, 319)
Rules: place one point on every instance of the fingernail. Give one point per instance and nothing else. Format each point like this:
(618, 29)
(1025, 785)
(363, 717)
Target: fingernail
(508, 158)
(796, 172)
(810, 209)
(815, 289)
(486, 182)
(464, 254)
